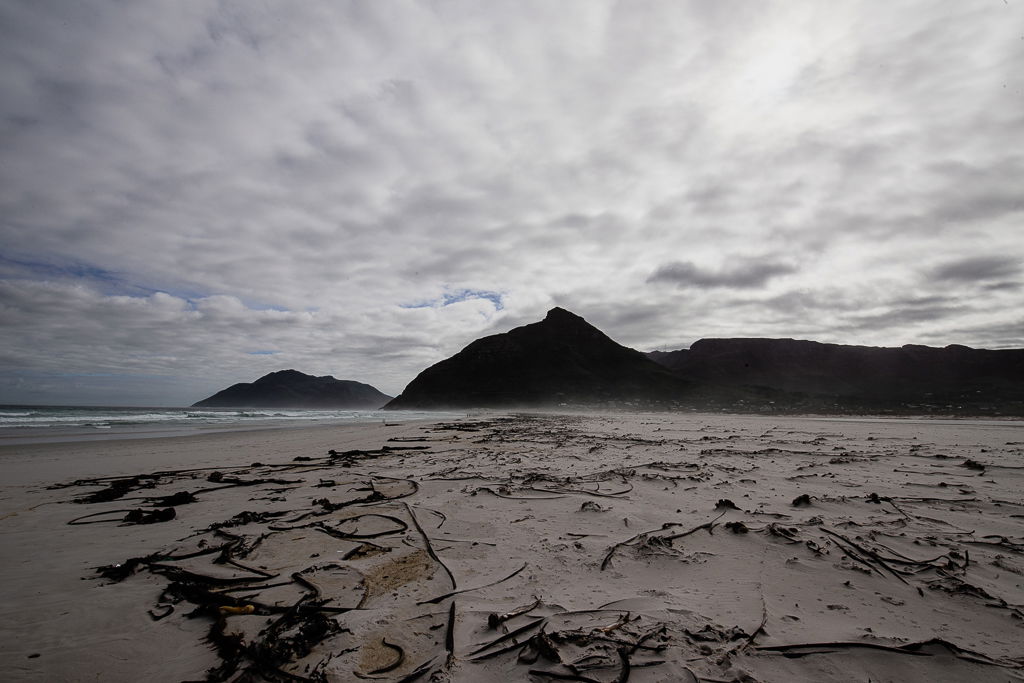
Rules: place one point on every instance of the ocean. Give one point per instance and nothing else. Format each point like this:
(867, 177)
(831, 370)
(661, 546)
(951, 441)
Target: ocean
(44, 424)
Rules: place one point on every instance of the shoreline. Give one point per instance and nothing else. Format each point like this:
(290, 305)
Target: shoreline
(127, 452)
(687, 523)
(112, 425)
(26, 436)
(29, 436)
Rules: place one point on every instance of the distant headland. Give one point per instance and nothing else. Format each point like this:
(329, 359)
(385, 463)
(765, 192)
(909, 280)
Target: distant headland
(293, 389)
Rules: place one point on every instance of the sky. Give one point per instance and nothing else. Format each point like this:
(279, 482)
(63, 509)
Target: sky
(195, 194)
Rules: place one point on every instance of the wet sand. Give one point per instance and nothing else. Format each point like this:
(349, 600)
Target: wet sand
(605, 547)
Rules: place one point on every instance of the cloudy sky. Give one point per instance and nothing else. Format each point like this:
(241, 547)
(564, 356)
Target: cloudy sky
(194, 194)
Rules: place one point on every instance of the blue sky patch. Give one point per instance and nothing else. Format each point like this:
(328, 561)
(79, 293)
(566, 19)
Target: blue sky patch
(449, 298)
(107, 282)
(49, 270)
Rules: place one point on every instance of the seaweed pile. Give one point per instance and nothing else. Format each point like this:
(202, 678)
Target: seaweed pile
(546, 547)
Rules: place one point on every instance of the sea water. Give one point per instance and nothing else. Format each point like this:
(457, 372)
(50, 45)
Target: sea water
(40, 424)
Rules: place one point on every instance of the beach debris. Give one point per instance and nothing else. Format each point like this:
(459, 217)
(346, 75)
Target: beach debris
(1001, 541)
(373, 497)
(247, 517)
(480, 652)
(150, 516)
(359, 585)
(923, 648)
(503, 492)
(428, 546)
(711, 633)
(132, 516)
(973, 465)
(581, 646)
(115, 488)
(291, 635)
(653, 545)
(433, 601)
(860, 553)
(790, 533)
(449, 636)
(179, 498)
(631, 541)
(237, 609)
(157, 616)
(365, 550)
(495, 620)
(122, 570)
(647, 542)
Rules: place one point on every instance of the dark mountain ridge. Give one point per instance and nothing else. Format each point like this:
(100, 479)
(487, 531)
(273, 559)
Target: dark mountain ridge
(294, 389)
(565, 360)
(561, 359)
(814, 375)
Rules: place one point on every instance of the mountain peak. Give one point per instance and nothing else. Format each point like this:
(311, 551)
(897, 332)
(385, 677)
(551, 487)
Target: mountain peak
(560, 321)
(283, 375)
(561, 359)
(559, 313)
(294, 389)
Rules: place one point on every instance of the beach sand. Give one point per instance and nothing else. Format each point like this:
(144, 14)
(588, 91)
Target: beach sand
(604, 547)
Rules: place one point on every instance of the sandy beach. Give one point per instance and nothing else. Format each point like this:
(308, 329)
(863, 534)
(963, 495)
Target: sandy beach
(532, 547)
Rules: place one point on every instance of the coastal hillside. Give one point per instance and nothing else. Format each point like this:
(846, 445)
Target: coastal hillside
(293, 389)
(564, 360)
(813, 375)
(561, 359)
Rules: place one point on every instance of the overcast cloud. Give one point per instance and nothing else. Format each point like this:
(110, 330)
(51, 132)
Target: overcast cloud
(195, 194)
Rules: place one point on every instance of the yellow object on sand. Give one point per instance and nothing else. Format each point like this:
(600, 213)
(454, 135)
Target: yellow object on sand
(244, 609)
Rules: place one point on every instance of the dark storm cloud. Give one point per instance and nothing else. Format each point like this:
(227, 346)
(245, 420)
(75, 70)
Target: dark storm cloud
(976, 269)
(925, 301)
(1004, 287)
(744, 273)
(902, 317)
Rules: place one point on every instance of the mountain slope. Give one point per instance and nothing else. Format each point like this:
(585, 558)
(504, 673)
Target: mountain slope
(790, 370)
(293, 389)
(561, 359)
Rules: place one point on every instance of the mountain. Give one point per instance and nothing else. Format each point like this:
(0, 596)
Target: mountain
(293, 389)
(815, 376)
(565, 360)
(561, 359)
